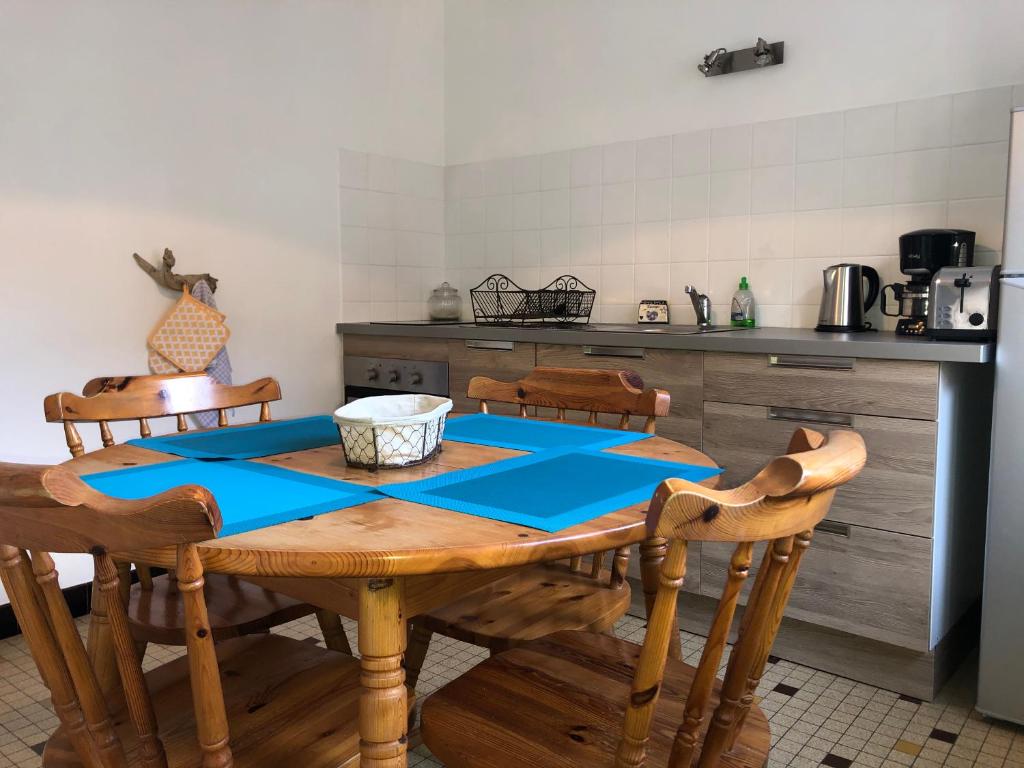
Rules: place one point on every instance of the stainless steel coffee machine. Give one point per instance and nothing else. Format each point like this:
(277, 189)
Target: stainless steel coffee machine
(923, 253)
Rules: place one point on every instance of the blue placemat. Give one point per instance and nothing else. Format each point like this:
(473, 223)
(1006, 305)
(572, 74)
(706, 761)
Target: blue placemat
(533, 435)
(550, 490)
(248, 442)
(249, 495)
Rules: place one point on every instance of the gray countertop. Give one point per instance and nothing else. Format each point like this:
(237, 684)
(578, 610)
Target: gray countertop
(882, 345)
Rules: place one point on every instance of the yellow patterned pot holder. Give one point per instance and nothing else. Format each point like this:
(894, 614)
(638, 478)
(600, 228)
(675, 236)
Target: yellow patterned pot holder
(190, 335)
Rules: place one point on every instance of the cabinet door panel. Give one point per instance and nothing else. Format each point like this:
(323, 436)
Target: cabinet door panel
(899, 388)
(869, 583)
(466, 360)
(895, 490)
(675, 371)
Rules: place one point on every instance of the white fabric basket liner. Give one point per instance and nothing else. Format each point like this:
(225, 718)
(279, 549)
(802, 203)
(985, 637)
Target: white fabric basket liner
(391, 430)
(392, 410)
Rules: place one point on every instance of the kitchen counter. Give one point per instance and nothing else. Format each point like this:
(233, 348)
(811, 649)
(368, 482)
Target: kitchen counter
(881, 345)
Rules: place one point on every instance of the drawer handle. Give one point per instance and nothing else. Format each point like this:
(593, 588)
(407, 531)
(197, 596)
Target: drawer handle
(501, 346)
(816, 417)
(614, 351)
(811, 361)
(838, 529)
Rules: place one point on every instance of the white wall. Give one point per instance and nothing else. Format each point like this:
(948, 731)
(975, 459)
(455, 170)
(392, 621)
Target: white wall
(529, 76)
(212, 128)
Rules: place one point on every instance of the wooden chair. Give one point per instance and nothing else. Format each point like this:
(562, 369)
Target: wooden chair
(578, 698)
(155, 610)
(554, 596)
(271, 700)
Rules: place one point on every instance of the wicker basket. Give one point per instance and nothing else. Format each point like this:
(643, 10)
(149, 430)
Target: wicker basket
(392, 431)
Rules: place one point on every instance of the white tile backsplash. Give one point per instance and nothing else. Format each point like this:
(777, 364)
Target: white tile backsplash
(868, 180)
(924, 123)
(653, 200)
(775, 201)
(585, 166)
(585, 207)
(618, 203)
(978, 170)
(654, 158)
(555, 170)
(690, 197)
(819, 185)
(870, 131)
(555, 208)
(819, 137)
(771, 189)
(730, 193)
(774, 143)
(921, 176)
(619, 162)
(691, 153)
(982, 116)
(730, 148)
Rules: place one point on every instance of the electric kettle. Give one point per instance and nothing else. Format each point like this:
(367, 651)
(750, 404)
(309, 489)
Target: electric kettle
(843, 302)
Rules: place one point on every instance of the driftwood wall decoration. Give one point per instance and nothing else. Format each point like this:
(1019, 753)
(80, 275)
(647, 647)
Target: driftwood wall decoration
(165, 276)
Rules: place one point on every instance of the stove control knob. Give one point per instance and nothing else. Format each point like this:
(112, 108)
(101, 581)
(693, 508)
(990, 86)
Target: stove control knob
(372, 374)
(393, 376)
(416, 377)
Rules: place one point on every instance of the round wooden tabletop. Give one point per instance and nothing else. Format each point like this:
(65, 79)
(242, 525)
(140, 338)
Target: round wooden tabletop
(391, 537)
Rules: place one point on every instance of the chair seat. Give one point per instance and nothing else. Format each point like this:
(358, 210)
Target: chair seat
(236, 608)
(560, 702)
(288, 703)
(531, 604)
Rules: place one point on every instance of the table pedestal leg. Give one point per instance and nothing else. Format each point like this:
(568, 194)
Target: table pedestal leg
(383, 717)
(652, 555)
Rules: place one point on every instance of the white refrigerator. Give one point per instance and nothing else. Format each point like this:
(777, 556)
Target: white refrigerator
(1001, 671)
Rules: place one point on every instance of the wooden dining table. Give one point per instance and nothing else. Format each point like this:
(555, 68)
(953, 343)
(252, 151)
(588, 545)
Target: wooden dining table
(387, 561)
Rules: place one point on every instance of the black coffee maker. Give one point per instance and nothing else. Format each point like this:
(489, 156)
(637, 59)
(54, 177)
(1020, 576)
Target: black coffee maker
(923, 253)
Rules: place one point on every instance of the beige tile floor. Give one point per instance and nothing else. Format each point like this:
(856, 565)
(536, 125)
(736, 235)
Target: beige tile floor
(816, 718)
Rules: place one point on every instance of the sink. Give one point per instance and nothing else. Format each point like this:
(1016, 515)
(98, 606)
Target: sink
(680, 330)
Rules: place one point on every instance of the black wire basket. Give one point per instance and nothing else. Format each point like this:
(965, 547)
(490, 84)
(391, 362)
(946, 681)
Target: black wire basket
(499, 301)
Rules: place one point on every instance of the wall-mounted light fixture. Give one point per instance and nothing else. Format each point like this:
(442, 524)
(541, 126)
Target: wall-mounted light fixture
(723, 62)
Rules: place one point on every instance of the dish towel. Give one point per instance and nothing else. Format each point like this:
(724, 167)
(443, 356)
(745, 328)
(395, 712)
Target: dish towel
(219, 368)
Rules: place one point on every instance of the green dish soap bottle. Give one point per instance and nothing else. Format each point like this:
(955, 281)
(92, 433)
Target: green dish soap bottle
(742, 313)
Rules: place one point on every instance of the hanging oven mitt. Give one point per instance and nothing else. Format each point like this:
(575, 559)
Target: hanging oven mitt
(190, 335)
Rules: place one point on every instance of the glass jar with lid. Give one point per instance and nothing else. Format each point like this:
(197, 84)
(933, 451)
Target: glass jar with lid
(445, 303)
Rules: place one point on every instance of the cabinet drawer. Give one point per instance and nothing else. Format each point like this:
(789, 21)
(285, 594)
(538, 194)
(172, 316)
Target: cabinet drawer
(675, 371)
(895, 490)
(501, 360)
(904, 389)
(692, 581)
(869, 583)
(397, 347)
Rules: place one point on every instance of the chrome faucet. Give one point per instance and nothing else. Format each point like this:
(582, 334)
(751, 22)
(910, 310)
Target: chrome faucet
(701, 306)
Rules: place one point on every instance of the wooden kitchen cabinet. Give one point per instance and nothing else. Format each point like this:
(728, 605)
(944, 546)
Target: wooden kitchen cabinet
(895, 490)
(502, 360)
(900, 388)
(873, 584)
(676, 371)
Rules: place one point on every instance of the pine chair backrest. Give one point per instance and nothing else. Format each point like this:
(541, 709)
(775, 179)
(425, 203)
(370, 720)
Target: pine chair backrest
(781, 505)
(592, 391)
(49, 509)
(141, 398)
